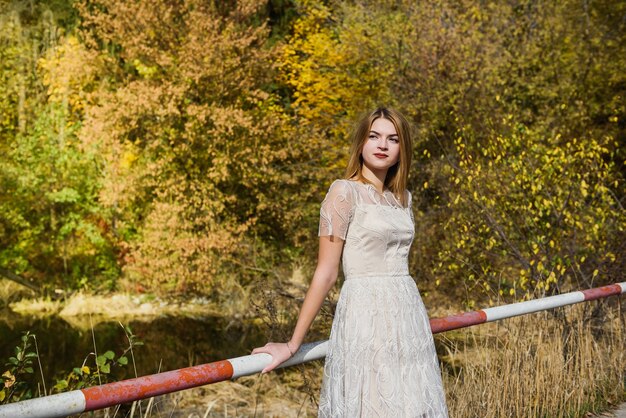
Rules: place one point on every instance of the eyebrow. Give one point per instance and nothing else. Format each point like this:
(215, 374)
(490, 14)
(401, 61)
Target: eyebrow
(372, 131)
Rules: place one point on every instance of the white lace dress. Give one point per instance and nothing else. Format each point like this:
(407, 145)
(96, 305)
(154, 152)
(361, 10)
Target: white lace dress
(381, 359)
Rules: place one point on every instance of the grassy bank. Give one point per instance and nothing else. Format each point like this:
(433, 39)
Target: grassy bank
(84, 310)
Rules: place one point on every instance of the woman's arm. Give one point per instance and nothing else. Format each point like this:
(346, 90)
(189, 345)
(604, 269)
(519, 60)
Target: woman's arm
(323, 280)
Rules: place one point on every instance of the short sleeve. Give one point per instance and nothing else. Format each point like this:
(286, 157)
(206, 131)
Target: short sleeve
(336, 211)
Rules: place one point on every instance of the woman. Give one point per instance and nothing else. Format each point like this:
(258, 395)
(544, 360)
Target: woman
(381, 357)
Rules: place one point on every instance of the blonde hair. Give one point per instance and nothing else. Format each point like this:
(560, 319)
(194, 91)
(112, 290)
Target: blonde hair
(398, 174)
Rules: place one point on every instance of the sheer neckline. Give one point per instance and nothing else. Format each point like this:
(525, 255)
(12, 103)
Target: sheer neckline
(370, 185)
(386, 198)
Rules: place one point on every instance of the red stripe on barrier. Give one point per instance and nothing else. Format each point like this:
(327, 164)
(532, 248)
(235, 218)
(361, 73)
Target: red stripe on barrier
(99, 397)
(457, 321)
(602, 292)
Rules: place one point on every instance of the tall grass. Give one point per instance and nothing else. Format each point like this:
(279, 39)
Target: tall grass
(560, 363)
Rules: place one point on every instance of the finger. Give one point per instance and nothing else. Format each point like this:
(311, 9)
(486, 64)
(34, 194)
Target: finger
(270, 367)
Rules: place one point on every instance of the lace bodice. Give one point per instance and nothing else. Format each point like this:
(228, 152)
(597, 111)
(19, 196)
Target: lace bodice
(377, 229)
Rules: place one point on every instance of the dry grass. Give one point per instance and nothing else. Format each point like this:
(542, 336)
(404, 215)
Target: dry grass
(10, 291)
(270, 395)
(39, 307)
(285, 394)
(83, 311)
(540, 365)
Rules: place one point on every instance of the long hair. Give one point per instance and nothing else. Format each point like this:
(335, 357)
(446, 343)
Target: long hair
(398, 174)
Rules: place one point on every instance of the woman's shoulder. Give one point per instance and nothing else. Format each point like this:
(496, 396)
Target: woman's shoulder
(342, 184)
(342, 187)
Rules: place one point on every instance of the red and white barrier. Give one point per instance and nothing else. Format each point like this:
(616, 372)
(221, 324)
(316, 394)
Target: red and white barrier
(522, 308)
(110, 394)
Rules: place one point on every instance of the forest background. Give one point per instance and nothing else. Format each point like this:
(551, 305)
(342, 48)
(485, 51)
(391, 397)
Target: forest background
(178, 151)
(182, 147)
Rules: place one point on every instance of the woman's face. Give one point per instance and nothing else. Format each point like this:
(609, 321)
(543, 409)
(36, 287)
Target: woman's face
(382, 147)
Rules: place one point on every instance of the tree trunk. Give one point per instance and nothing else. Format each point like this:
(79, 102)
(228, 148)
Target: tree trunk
(17, 279)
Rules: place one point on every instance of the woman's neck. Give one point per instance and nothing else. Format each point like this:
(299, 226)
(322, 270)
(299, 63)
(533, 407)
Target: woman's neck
(377, 178)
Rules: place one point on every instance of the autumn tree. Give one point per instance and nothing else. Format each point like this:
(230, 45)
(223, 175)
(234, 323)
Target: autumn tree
(197, 150)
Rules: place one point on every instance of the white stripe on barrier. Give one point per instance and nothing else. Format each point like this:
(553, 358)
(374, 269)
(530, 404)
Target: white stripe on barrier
(535, 305)
(247, 365)
(59, 405)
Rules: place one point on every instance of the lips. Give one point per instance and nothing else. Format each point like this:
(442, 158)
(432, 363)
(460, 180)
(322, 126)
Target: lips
(379, 155)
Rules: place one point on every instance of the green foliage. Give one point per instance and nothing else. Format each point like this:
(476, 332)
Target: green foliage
(15, 386)
(98, 370)
(95, 369)
(52, 228)
(52, 222)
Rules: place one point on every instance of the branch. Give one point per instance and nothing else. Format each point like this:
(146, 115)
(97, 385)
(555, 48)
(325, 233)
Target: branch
(19, 280)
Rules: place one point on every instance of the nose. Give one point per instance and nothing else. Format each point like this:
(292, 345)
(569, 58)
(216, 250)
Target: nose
(382, 145)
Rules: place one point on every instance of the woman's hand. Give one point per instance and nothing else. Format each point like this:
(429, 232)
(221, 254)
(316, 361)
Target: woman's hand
(280, 352)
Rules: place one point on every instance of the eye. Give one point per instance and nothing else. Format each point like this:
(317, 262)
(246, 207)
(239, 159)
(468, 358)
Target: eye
(395, 140)
(372, 136)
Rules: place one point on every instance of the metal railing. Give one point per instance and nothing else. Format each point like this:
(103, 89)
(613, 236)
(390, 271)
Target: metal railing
(110, 394)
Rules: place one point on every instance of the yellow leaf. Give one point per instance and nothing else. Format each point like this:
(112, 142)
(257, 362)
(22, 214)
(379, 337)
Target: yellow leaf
(10, 379)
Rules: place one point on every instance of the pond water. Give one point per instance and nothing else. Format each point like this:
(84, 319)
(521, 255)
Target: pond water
(169, 342)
